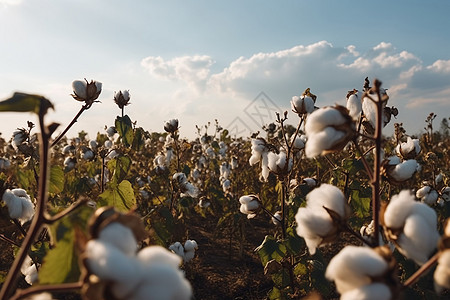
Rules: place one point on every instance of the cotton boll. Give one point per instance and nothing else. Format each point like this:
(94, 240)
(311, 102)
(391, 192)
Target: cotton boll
(354, 267)
(404, 171)
(249, 204)
(276, 219)
(442, 272)
(19, 204)
(354, 106)
(162, 282)
(189, 250)
(29, 270)
(41, 296)
(427, 195)
(322, 118)
(178, 249)
(120, 236)
(312, 225)
(374, 291)
(399, 209)
(323, 140)
(111, 264)
(418, 240)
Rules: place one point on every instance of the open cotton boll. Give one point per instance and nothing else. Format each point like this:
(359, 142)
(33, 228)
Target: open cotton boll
(354, 106)
(158, 255)
(178, 249)
(162, 282)
(405, 170)
(19, 204)
(354, 267)
(189, 250)
(409, 149)
(427, 195)
(258, 148)
(29, 270)
(418, 240)
(442, 272)
(323, 117)
(111, 264)
(399, 209)
(249, 204)
(120, 236)
(41, 296)
(323, 140)
(374, 291)
(314, 223)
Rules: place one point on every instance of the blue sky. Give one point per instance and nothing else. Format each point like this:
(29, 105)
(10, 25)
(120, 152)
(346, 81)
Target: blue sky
(203, 60)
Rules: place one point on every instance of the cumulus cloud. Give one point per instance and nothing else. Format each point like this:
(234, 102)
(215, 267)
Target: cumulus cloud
(192, 69)
(328, 70)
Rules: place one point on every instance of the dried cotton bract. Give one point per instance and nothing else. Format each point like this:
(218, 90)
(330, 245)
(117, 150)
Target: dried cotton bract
(328, 129)
(412, 226)
(314, 223)
(354, 270)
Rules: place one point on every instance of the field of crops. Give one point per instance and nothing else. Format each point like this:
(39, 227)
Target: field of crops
(331, 208)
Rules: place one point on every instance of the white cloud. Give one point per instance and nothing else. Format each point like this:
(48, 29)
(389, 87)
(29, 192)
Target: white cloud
(328, 70)
(194, 70)
(10, 2)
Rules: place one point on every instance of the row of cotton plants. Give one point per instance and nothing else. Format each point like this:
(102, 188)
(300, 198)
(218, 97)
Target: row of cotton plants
(342, 203)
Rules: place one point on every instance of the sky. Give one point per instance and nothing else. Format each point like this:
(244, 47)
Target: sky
(235, 61)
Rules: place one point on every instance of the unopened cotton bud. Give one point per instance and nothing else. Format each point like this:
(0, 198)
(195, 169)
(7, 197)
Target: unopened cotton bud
(86, 91)
(122, 98)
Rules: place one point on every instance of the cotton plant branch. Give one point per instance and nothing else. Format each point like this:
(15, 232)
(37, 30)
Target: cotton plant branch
(422, 270)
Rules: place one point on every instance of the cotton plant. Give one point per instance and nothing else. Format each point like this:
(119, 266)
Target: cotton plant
(411, 226)
(360, 273)
(186, 251)
(126, 273)
(315, 223)
(19, 204)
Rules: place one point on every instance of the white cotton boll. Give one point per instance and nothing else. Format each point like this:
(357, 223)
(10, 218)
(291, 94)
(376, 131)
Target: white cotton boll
(108, 144)
(438, 178)
(178, 249)
(370, 110)
(158, 255)
(41, 296)
(203, 203)
(113, 154)
(88, 155)
(93, 144)
(418, 240)
(168, 156)
(445, 193)
(19, 204)
(404, 170)
(354, 106)
(302, 104)
(29, 270)
(313, 221)
(69, 149)
(111, 264)
(265, 166)
(4, 163)
(111, 131)
(393, 160)
(442, 272)
(226, 185)
(374, 291)
(189, 250)
(399, 208)
(249, 204)
(179, 177)
(323, 140)
(162, 282)
(120, 236)
(298, 144)
(354, 267)
(427, 195)
(312, 225)
(276, 219)
(410, 148)
(190, 190)
(321, 118)
(329, 196)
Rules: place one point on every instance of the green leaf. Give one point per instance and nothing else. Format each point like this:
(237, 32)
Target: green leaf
(22, 102)
(56, 182)
(300, 269)
(61, 263)
(353, 166)
(294, 244)
(120, 196)
(281, 279)
(138, 139)
(271, 249)
(360, 200)
(119, 167)
(24, 178)
(125, 129)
